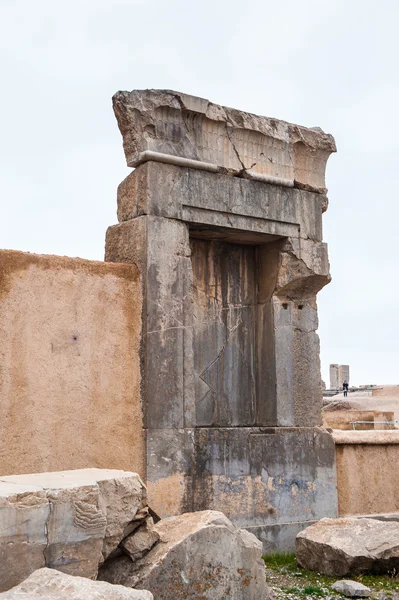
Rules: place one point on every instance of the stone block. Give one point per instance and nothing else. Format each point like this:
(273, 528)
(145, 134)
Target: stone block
(169, 458)
(349, 545)
(161, 249)
(51, 584)
(201, 556)
(263, 476)
(279, 537)
(140, 541)
(351, 589)
(180, 129)
(68, 520)
(198, 197)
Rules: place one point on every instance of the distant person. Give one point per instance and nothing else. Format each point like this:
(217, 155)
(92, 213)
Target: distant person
(345, 386)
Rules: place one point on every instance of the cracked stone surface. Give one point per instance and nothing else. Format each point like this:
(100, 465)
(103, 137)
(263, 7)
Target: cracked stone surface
(48, 583)
(67, 520)
(179, 125)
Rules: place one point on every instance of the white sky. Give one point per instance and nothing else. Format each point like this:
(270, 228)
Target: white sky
(331, 63)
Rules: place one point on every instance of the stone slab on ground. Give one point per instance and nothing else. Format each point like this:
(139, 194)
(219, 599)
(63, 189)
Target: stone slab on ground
(351, 589)
(67, 520)
(49, 583)
(200, 556)
(349, 545)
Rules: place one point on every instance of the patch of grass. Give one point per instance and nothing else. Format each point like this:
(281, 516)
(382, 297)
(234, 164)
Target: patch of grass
(291, 590)
(314, 584)
(277, 560)
(308, 590)
(389, 581)
(313, 590)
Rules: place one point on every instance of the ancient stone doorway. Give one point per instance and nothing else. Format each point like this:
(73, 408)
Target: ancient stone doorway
(223, 217)
(224, 332)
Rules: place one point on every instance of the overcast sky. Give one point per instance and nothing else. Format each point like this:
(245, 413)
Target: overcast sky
(330, 63)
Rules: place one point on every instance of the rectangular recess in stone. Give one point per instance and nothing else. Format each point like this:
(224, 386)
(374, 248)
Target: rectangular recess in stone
(224, 313)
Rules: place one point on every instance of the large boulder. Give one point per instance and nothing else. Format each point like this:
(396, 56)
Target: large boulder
(349, 545)
(51, 584)
(68, 520)
(199, 556)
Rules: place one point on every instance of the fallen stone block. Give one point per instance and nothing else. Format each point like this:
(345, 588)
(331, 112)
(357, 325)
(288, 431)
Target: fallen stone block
(200, 555)
(48, 583)
(351, 589)
(349, 545)
(67, 520)
(140, 541)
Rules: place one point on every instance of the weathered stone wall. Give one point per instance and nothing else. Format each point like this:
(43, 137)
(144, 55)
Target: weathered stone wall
(69, 365)
(367, 467)
(265, 479)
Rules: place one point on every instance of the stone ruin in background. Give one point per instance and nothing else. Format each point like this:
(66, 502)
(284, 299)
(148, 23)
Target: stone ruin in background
(223, 217)
(338, 374)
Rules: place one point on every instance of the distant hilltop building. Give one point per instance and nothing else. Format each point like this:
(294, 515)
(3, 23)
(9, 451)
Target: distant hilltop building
(338, 374)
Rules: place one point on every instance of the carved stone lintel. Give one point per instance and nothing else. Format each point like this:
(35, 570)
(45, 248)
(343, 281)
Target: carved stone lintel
(184, 130)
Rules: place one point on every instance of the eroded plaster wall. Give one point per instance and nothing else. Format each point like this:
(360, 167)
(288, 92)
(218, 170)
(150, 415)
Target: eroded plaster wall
(367, 464)
(69, 365)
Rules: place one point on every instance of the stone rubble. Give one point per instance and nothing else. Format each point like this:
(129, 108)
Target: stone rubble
(351, 589)
(349, 545)
(201, 556)
(52, 585)
(94, 523)
(68, 520)
(141, 540)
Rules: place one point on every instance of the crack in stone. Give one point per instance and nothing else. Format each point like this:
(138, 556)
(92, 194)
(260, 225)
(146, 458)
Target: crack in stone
(230, 330)
(235, 149)
(169, 328)
(46, 525)
(244, 169)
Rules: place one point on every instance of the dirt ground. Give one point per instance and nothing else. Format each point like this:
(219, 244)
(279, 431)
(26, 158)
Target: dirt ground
(385, 399)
